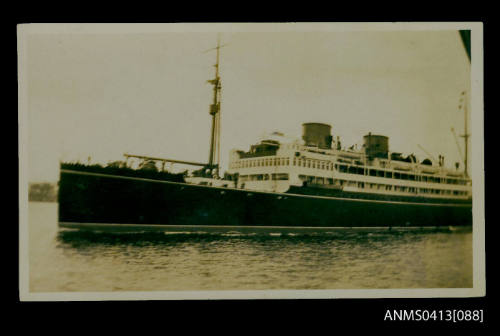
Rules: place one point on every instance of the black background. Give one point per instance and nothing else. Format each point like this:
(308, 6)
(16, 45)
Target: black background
(309, 317)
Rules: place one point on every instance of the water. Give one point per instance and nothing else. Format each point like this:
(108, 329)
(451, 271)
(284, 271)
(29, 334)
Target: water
(84, 261)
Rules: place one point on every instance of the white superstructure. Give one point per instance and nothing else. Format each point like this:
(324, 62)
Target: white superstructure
(275, 166)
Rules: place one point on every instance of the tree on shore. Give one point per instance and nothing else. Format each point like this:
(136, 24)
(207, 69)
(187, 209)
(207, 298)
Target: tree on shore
(42, 192)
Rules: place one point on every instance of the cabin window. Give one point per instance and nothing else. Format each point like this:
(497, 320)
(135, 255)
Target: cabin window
(330, 181)
(388, 187)
(287, 162)
(373, 172)
(388, 174)
(280, 177)
(361, 184)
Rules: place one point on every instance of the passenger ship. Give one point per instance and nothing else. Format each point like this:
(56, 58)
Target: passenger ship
(308, 183)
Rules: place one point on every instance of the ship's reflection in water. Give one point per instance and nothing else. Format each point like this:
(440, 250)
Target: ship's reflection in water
(339, 259)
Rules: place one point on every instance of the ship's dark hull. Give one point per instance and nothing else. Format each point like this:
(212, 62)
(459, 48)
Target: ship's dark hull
(98, 199)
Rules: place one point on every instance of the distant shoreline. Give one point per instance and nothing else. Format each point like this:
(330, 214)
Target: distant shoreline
(42, 192)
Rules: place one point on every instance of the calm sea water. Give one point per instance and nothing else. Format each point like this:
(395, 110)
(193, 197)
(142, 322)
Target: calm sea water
(79, 261)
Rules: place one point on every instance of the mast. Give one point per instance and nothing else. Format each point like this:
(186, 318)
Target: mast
(466, 135)
(213, 158)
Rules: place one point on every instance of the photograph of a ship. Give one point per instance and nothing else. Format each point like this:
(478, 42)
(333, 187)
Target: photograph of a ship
(293, 134)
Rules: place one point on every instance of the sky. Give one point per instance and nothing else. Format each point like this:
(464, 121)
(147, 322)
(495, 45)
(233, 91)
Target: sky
(106, 94)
